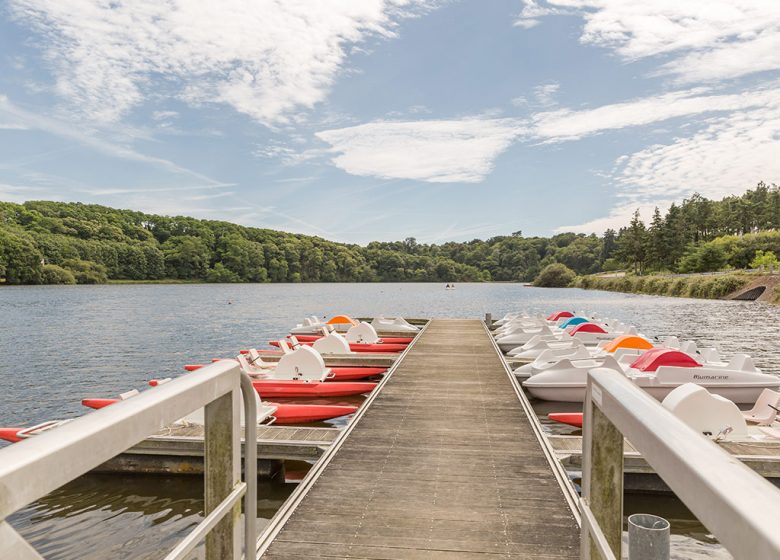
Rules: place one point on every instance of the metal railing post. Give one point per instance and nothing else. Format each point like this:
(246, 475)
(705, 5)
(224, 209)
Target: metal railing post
(250, 467)
(602, 476)
(222, 472)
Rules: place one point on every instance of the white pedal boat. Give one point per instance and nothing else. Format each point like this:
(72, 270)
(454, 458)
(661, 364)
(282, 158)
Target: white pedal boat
(718, 418)
(658, 371)
(589, 334)
(624, 345)
(310, 325)
(531, 350)
(399, 324)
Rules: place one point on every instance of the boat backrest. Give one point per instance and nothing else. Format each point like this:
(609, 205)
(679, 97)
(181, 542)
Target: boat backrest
(302, 363)
(404, 323)
(627, 355)
(706, 413)
(572, 352)
(284, 346)
(333, 343)
(612, 363)
(244, 364)
(689, 347)
(742, 362)
(256, 358)
(763, 411)
(671, 342)
(710, 354)
(362, 333)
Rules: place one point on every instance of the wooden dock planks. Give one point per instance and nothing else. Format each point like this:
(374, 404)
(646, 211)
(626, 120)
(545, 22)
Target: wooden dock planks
(444, 464)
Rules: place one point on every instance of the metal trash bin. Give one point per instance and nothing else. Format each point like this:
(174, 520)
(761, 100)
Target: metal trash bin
(648, 537)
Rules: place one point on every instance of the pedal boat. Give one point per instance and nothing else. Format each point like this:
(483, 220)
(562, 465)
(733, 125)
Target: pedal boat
(711, 415)
(337, 373)
(398, 324)
(658, 371)
(267, 412)
(302, 373)
(361, 338)
(578, 353)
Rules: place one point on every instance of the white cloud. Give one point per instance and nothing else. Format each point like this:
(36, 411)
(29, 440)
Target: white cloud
(442, 151)
(91, 139)
(266, 58)
(12, 125)
(618, 217)
(545, 94)
(526, 23)
(532, 11)
(21, 193)
(728, 155)
(566, 124)
(722, 155)
(728, 142)
(711, 39)
(164, 115)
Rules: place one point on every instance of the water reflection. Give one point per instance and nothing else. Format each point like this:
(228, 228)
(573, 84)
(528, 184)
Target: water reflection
(108, 516)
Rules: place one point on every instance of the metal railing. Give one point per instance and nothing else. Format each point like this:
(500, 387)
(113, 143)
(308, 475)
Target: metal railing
(736, 504)
(36, 466)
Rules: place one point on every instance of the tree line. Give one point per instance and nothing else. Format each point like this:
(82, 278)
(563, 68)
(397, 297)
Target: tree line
(55, 242)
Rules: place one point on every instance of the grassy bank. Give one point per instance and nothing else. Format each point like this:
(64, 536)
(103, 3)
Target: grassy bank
(698, 286)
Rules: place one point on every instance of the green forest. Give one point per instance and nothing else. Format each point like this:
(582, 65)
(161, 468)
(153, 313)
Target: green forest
(45, 242)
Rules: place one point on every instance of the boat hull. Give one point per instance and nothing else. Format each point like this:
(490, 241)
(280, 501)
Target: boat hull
(9, 434)
(305, 413)
(569, 418)
(347, 373)
(384, 339)
(357, 347)
(739, 394)
(271, 388)
(339, 373)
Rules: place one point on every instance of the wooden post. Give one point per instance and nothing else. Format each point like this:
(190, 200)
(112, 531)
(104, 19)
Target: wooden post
(603, 473)
(222, 472)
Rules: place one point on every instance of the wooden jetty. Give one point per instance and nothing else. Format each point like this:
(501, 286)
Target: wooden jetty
(179, 450)
(445, 460)
(761, 456)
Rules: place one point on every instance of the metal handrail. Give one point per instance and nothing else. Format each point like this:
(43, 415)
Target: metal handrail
(735, 503)
(36, 466)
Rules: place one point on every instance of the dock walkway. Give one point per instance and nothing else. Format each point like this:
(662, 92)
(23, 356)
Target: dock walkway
(443, 464)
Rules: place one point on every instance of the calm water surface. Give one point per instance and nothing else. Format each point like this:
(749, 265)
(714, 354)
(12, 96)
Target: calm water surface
(61, 344)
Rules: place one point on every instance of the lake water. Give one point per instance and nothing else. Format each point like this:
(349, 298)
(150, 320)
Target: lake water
(61, 344)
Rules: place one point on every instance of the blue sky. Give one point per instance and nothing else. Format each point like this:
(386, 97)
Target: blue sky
(379, 120)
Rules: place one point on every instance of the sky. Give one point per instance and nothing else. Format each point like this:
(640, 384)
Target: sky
(361, 120)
